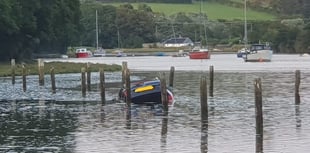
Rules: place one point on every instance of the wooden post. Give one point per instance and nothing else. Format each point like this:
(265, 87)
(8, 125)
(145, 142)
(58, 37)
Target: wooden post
(297, 98)
(211, 80)
(204, 99)
(128, 88)
(164, 100)
(171, 76)
(128, 98)
(204, 114)
(297, 116)
(41, 72)
(88, 68)
(13, 66)
(128, 118)
(53, 80)
(83, 83)
(164, 130)
(102, 87)
(163, 89)
(259, 115)
(124, 68)
(24, 73)
(297, 84)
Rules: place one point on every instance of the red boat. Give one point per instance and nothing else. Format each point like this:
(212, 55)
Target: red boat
(201, 53)
(82, 53)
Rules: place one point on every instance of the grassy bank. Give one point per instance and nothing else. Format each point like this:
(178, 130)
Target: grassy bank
(60, 68)
(214, 11)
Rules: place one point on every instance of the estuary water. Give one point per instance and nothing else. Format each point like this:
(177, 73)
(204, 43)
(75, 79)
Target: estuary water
(39, 121)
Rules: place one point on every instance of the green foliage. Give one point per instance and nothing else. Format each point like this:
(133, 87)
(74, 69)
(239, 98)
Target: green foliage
(35, 26)
(50, 26)
(145, 8)
(214, 10)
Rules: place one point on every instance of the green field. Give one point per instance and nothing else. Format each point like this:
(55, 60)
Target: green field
(213, 10)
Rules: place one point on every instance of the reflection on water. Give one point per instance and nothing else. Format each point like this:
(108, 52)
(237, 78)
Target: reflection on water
(67, 122)
(33, 127)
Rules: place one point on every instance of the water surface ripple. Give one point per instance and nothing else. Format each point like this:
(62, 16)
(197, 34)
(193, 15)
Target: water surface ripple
(39, 121)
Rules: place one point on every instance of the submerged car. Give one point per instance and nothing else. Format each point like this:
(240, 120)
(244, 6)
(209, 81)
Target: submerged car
(146, 92)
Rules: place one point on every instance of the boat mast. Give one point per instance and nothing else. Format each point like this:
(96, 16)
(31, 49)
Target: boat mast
(203, 36)
(175, 41)
(97, 29)
(118, 39)
(245, 27)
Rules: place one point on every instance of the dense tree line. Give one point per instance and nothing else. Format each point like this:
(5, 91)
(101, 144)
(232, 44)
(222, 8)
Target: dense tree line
(137, 26)
(51, 26)
(27, 27)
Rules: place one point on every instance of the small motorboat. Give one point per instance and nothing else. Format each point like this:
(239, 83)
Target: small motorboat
(83, 53)
(199, 53)
(242, 52)
(259, 53)
(146, 92)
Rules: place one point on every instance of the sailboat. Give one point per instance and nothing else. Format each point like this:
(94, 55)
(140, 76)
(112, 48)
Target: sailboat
(118, 51)
(257, 52)
(99, 51)
(201, 52)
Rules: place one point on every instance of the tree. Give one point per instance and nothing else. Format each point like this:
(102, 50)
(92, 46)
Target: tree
(131, 22)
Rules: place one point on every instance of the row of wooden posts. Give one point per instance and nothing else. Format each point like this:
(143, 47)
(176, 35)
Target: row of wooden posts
(85, 84)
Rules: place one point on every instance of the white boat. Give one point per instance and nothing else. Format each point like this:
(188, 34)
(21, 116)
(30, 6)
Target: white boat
(99, 53)
(242, 52)
(259, 53)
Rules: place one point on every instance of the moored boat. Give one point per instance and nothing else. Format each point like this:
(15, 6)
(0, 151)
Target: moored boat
(82, 53)
(146, 92)
(259, 53)
(199, 53)
(242, 52)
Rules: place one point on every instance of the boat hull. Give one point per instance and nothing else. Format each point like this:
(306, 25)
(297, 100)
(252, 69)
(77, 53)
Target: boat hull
(82, 55)
(259, 56)
(199, 55)
(148, 92)
(240, 55)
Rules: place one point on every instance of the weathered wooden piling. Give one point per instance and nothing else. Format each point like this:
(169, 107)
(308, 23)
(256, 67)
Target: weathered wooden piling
(211, 80)
(13, 67)
(128, 118)
(204, 139)
(163, 88)
(297, 116)
(53, 82)
(128, 98)
(83, 83)
(164, 129)
(259, 115)
(41, 72)
(171, 76)
(297, 85)
(88, 73)
(24, 74)
(128, 88)
(204, 114)
(124, 68)
(204, 99)
(102, 86)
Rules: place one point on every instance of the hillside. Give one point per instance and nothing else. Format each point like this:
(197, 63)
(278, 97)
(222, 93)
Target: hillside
(214, 11)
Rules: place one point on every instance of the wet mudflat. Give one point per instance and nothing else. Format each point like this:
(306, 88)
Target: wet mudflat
(39, 121)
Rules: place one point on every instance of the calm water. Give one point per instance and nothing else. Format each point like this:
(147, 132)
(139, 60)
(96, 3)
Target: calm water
(39, 121)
